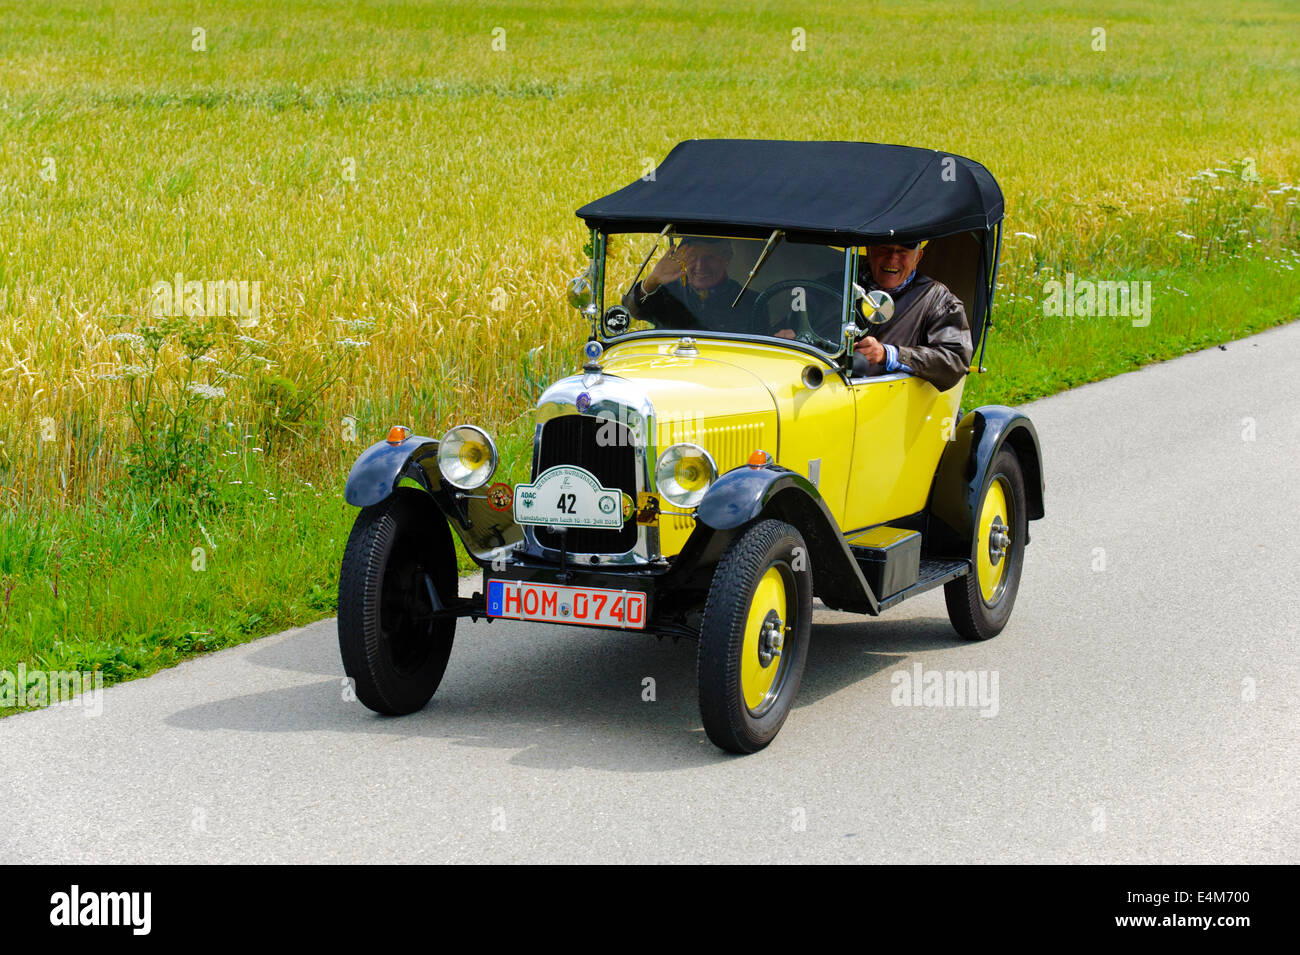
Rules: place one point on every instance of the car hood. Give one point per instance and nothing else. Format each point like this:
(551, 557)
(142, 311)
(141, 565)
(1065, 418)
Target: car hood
(695, 387)
(709, 401)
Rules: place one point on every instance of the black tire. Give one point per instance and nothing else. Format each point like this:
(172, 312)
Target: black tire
(730, 721)
(975, 615)
(392, 648)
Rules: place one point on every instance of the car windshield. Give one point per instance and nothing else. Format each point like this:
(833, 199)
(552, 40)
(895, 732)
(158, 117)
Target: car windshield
(691, 284)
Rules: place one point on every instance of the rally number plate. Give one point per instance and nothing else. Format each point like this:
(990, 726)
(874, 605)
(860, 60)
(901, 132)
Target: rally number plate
(585, 606)
(565, 496)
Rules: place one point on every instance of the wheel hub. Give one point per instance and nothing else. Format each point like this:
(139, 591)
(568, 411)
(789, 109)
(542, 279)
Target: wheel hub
(771, 639)
(999, 540)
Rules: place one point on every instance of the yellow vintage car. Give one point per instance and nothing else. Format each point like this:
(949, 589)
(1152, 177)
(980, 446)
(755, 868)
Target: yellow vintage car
(728, 451)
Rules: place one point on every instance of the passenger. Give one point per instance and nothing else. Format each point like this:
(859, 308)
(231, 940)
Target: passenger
(929, 335)
(689, 288)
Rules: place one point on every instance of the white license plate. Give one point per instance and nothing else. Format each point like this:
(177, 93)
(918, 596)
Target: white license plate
(585, 606)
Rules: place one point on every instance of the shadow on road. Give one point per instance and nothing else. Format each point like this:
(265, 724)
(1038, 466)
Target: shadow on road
(561, 697)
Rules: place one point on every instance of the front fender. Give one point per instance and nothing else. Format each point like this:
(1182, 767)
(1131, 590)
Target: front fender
(748, 494)
(742, 494)
(959, 479)
(379, 469)
(375, 473)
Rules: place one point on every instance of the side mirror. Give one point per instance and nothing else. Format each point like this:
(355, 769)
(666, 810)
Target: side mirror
(875, 307)
(580, 291)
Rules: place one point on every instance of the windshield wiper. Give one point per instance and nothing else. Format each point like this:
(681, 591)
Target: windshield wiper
(776, 236)
(644, 262)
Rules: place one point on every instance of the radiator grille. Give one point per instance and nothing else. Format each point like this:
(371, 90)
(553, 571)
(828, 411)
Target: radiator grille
(571, 439)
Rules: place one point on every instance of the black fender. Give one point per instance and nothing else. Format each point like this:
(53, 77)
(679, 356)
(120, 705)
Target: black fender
(746, 494)
(375, 473)
(959, 480)
(378, 470)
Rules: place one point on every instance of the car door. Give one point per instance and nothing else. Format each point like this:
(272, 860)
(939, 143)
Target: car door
(902, 425)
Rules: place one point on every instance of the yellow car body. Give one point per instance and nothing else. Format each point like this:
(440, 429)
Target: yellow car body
(869, 445)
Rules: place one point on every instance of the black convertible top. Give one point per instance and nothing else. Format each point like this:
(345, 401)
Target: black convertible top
(829, 192)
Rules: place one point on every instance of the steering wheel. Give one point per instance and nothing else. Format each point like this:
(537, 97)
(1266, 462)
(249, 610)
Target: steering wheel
(802, 329)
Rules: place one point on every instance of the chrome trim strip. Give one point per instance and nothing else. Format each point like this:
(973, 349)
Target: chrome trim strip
(874, 379)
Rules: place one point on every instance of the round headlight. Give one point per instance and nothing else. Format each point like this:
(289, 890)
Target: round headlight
(467, 457)
(684, 473)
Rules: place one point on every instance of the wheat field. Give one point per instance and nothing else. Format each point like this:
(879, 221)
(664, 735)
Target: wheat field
(400, 179)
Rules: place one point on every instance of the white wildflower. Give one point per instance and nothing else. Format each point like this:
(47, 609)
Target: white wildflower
(352, 343)
(207, 392)
(357, 324)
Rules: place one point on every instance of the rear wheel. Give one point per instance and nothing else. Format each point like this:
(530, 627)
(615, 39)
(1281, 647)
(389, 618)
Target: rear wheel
(398, 562)
(754, 637)
(979, 604)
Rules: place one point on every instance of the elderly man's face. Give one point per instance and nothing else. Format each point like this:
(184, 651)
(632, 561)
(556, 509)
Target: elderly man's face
(892, 264)
(706, 265)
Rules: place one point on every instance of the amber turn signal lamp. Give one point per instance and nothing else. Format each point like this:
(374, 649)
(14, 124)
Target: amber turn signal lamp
(397, 434)
(758, 459)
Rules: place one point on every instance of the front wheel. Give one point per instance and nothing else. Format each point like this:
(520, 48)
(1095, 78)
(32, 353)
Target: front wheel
(754, 637)
(399, 563)
(979, 604)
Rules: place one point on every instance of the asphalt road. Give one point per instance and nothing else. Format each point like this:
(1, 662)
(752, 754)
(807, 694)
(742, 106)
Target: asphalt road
(1148, 699)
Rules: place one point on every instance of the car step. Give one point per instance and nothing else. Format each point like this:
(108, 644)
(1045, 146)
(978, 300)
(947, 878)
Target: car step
(933, 573)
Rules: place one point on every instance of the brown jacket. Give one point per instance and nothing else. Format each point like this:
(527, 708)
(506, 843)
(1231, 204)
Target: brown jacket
(931, 333)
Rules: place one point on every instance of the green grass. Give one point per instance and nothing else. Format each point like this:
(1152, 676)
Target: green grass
(1028, 356)
(382, 171)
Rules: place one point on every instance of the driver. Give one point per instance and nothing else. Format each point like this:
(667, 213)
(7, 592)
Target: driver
(929, 335)
(689, 288)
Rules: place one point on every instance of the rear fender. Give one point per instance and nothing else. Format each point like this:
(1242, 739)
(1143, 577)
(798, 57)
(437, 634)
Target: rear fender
(963, 470)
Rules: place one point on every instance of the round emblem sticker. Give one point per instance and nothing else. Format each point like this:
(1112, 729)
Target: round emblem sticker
(500, 497)
(583, 402)
(607, 504)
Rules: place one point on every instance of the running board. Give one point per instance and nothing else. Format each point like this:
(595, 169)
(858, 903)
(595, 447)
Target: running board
(933, 573)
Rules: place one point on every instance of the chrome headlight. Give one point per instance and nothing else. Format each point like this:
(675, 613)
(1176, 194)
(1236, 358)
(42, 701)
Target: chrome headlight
(467, 457)
(684, 473)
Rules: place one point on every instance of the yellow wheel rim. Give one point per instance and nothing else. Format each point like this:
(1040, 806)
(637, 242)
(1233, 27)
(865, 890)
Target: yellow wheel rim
(993, 546)
(757, 677)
